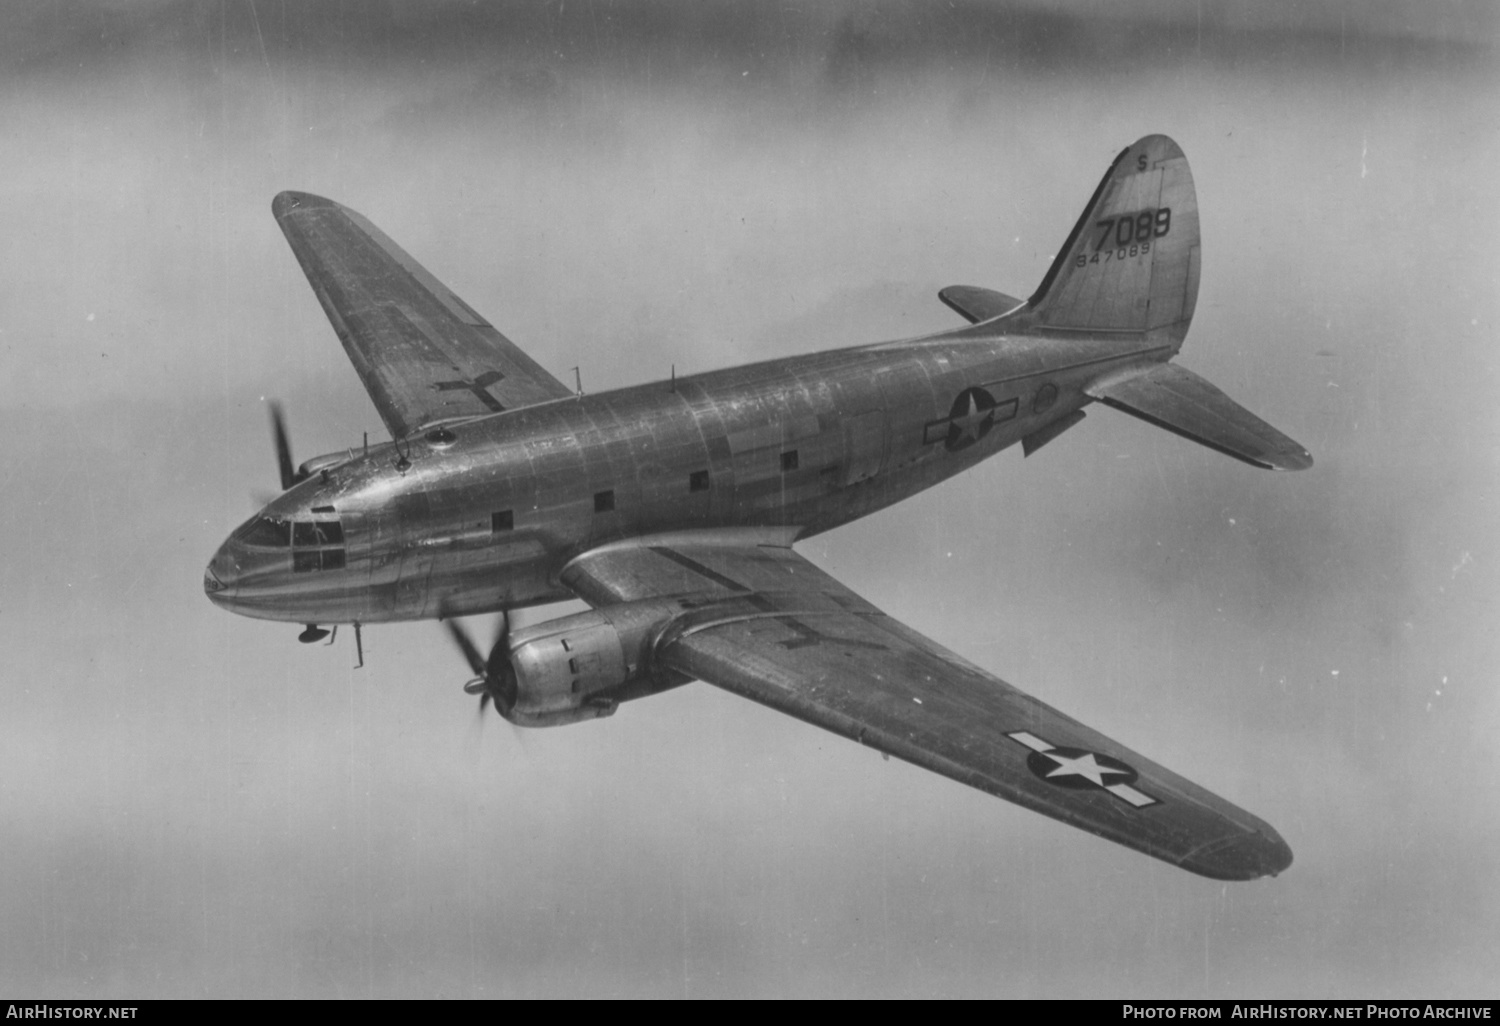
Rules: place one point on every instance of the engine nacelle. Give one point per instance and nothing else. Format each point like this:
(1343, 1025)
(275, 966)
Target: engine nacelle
(581, 667)
(325, 462)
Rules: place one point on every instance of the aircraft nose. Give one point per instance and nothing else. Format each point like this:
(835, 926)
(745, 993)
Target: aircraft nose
(219, 577)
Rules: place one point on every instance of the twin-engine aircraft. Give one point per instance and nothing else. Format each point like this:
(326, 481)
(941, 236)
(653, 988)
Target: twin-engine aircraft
(673, 508)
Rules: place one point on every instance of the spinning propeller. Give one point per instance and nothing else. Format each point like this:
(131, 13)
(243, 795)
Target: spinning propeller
(495, 679)
(289, 475)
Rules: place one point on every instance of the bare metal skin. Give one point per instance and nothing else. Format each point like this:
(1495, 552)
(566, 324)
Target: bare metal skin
(421, 541)
(672, 508)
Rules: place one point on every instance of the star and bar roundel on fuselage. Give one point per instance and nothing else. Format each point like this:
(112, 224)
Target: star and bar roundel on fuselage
(973, 414)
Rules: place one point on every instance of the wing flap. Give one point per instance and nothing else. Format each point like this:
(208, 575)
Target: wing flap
(766, 624)
(1178, 400)
(422, 353)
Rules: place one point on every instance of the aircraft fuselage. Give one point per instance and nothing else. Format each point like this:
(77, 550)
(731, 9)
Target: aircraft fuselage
(488, 511)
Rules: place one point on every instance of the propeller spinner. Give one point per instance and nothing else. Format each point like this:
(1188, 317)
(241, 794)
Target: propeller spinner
(494, 678)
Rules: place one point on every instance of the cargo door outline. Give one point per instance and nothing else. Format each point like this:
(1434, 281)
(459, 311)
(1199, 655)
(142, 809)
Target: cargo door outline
(866, 446)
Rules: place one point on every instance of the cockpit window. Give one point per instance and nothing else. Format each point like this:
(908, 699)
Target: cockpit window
(266, 531)
(311, 541)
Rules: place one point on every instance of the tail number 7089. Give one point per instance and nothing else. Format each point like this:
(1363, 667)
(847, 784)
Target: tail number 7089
(1127, 235)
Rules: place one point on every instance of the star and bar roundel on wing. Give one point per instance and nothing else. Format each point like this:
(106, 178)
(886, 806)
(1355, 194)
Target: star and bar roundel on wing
(1076, 768)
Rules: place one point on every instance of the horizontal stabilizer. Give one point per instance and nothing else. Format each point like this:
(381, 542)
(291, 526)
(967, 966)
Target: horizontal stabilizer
(1175, 398)
(977, 304)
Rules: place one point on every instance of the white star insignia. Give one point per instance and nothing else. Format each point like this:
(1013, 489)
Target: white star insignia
(971, 420)
(1084, 765)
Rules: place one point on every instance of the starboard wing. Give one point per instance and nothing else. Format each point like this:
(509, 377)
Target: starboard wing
(763, 622)
(423, 354)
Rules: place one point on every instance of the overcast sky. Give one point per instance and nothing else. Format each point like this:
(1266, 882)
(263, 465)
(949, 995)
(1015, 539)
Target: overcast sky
(191, 803)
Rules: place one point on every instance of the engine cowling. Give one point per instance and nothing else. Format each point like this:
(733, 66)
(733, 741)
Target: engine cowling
(581, 667)
(327, 461)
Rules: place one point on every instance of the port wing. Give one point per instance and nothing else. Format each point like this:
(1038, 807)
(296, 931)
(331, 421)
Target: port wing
(423, 354)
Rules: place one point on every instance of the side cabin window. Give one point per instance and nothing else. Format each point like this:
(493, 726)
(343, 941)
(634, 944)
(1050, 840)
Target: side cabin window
(317, 532)
(308, 560)
(311, 545)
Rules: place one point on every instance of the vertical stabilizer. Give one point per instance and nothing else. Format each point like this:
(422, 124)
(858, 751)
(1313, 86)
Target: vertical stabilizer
(1131, 261)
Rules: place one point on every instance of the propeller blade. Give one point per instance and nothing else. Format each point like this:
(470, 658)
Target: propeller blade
(494, 679)
(499, 648)
(283, 448)
(476, 662)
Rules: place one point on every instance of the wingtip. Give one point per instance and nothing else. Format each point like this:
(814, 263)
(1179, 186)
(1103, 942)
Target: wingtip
(1247, 857)
(1291, 459)
(286, 202)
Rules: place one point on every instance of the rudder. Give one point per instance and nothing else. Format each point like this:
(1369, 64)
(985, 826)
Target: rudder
(1131, 261)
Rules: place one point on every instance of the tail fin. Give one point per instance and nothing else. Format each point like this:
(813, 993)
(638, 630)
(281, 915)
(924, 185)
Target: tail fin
(1131, 262)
